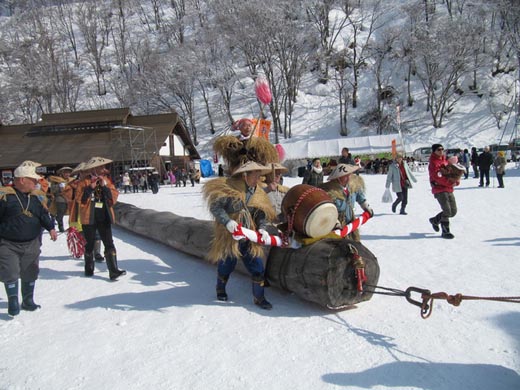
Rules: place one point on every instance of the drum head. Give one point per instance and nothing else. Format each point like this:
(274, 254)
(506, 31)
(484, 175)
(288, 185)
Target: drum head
(321, 220)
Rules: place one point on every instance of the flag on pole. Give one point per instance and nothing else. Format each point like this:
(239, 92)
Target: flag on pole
(263, 128)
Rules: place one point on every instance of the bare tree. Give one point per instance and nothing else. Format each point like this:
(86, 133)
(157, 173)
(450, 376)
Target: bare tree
(329, 32)
(442, 55)
(65, 22)
(364, 23)
(94, 20)
(382, 53)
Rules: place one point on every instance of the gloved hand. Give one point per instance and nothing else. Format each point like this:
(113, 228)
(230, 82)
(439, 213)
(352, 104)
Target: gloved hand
(265, 235)
(365, 206)
(231, 226)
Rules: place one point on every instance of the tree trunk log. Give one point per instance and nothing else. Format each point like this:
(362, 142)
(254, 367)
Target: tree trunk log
(323, 272)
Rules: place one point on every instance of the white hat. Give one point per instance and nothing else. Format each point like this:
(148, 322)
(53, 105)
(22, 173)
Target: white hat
(252, 166)
(80, 167)
(96, 162)
(27, 169)
(64, 169)
(343, 170)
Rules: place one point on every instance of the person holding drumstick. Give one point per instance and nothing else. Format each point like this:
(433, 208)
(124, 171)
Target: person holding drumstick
(345, 191)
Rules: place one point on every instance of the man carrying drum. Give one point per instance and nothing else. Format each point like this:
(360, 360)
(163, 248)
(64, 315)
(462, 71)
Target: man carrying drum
(345, 190)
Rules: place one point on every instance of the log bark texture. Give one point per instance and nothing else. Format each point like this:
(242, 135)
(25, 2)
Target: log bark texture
(323, 272)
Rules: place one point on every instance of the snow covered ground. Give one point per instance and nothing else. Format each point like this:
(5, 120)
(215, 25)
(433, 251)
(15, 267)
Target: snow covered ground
(160, 327)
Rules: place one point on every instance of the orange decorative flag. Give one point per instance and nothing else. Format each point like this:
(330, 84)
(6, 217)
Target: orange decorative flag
(394, 148)
(263, 128)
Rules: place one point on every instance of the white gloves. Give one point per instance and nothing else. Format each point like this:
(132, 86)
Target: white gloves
(265, 235)
(365, 206)
(231, 226)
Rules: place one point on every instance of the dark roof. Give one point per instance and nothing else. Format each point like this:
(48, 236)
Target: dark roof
(70, 138)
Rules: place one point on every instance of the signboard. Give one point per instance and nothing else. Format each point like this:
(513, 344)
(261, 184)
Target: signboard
(7, 178)
(263, 128)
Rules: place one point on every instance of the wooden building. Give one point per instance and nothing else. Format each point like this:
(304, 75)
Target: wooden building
(67, 139)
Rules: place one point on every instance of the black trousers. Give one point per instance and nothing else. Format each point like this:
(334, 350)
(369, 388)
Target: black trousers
(105, 232)
(484, 173)
(402, 197)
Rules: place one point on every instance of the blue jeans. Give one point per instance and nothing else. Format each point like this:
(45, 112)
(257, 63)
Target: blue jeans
(254, 265)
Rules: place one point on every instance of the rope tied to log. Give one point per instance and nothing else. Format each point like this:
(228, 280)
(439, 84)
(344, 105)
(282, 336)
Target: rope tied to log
(427, 297)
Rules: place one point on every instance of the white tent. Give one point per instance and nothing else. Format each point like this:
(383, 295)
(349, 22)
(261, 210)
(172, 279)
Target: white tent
(357, 145)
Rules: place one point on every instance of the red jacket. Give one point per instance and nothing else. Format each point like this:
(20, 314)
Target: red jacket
(438, 182)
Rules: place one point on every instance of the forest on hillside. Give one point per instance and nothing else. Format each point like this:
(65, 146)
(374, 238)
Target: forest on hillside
(157, 56)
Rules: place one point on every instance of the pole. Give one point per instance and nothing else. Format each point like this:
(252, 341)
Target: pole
(398, 109)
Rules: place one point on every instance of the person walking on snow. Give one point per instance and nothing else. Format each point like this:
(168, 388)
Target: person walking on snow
(239, 200)
(22, 216)
(400, 177)
(442, 189)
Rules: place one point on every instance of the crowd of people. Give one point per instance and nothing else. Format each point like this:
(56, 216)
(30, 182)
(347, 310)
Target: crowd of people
(250, 196)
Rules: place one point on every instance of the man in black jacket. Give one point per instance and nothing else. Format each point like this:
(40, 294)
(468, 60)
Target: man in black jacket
(22, 216)
(485, 160)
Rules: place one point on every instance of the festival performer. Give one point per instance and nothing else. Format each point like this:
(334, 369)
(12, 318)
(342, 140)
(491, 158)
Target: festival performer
(443, 177)
(275, 190)
(22, 216)
(346, 190)
(232, 201)
(98, 196)
(245, 147)
(58, 207)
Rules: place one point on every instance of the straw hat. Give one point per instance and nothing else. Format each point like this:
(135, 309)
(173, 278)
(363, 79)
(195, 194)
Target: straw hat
(96, 162)
(64, 169)
(27, 169)
(279, 167)
(343, 170)
(80, 167)
(251, 166)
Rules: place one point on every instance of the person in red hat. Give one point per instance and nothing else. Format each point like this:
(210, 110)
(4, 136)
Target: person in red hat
(22, 216)
(245, 126)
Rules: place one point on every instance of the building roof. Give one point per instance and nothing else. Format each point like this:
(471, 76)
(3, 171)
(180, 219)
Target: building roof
(70, 138)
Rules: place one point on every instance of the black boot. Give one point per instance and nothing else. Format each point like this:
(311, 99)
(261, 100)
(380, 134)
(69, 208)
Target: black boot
(258, 294)
(221, 288)
(13, 306)
(446, 230)
(403, 212)
(113, 271)
(89, 264)
(28, 297)
(435, 221)
(97, 252)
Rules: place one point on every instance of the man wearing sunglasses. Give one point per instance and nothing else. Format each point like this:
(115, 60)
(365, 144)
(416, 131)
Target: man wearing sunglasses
(22, 217)
(442, 190)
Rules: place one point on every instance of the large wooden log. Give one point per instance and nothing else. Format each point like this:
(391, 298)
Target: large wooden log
(323, 272)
